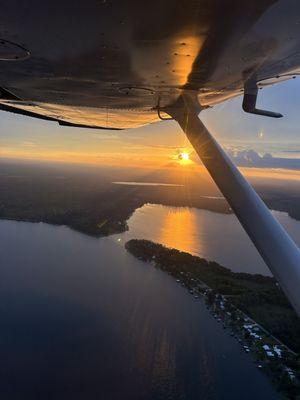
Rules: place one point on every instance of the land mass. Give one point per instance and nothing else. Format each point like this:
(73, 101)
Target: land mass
(257, 295)
(87, 200)
(252, 306)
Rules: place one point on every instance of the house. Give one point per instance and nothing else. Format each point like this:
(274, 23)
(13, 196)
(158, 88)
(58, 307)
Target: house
(290, 373)
(277, 350)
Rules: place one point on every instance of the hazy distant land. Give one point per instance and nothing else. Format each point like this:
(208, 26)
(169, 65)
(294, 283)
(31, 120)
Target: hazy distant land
(87, 200)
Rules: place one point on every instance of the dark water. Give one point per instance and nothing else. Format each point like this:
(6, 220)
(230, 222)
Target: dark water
(82, 319)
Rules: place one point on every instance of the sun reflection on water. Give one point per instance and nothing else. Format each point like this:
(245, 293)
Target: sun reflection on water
(182, 223)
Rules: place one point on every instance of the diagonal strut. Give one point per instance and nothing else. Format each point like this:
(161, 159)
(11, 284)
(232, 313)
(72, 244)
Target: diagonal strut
(275, 246)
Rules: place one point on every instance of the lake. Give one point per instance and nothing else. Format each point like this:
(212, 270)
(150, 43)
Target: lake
(216, 237)
(83, 319)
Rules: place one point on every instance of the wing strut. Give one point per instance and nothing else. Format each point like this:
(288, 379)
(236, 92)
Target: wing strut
(277, 249)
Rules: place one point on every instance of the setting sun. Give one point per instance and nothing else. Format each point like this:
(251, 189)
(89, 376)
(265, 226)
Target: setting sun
(184, 156)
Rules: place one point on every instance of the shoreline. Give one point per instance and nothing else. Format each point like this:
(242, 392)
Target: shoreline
(270, 354)
(115, 226)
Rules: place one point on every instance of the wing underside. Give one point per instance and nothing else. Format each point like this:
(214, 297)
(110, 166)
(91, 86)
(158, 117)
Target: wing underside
(112, 64)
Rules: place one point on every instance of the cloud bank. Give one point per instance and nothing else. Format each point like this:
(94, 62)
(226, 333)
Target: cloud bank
(250, 158)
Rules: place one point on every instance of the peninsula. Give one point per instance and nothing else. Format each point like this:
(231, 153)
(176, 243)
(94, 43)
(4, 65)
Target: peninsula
(252, 307)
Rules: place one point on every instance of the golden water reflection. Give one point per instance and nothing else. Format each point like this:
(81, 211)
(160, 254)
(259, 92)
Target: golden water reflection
(181, 222)
(213, 236)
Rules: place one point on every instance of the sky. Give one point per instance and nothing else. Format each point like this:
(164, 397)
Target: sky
(153, 145)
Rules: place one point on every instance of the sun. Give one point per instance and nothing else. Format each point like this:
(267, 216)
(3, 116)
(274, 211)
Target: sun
(184, 156)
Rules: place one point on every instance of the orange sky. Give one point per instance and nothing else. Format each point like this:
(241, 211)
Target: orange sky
(140, 157)
(153, 146)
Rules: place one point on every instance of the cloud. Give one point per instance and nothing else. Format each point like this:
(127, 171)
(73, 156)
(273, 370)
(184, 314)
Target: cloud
(28, 144)
(104, 136)
(164, 147)
(250, 158)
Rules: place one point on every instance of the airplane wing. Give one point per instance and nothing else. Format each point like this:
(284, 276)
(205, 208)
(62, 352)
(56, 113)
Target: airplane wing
(113, 63)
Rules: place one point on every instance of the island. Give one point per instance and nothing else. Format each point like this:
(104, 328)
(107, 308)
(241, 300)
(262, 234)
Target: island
(252, 308)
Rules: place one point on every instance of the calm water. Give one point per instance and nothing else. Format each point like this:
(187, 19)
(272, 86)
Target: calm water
(83, 319)
(216, 237)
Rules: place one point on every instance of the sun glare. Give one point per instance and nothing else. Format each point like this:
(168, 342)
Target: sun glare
(184, 156)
